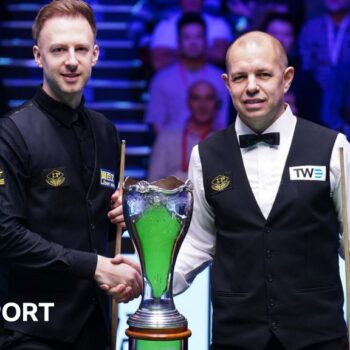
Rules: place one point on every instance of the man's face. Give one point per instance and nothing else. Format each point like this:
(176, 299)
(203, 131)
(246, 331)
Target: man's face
(334, 6)
(282, 31)
(192, 41)
(202, 103)
(257, 83)
(66, 52)
(191, 5)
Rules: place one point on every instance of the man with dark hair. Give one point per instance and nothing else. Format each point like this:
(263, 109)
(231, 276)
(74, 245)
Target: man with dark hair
(164, 40)
(167, 104)
(58, 170)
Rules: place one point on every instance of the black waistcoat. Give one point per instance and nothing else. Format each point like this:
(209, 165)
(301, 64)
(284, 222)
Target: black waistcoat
(277, 275)
(65, 214)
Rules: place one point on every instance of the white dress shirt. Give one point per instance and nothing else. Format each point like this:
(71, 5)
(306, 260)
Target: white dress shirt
(264, 166)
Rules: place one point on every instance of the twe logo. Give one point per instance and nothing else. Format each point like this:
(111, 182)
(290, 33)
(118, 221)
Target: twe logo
(308, 172)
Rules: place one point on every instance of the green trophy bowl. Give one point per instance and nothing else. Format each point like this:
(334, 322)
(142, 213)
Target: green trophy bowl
(157, 216)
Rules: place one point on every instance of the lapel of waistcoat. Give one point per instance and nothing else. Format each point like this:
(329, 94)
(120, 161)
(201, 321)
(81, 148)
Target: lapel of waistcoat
(94, 130)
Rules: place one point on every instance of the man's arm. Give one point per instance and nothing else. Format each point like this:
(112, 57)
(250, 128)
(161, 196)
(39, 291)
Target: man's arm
(198, 247)
(335, 177)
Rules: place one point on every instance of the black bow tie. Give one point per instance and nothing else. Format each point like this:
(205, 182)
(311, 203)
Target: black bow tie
(271, 138)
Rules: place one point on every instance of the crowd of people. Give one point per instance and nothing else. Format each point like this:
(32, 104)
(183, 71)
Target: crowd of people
(315, 37)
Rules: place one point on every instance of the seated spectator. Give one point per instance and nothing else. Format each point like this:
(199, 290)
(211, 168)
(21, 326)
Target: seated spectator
(281, 27)
(145, 14)
(169, 87)
(172, 149)
(164, 41)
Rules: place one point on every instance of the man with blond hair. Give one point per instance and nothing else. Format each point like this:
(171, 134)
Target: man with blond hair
(58, 166)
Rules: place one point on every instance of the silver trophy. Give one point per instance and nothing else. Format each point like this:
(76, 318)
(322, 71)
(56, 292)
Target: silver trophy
(157, 216)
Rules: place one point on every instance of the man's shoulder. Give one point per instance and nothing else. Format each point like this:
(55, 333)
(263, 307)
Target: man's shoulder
(165, 75)
(214, 71)
(22, 110)
(213, 68)
(314, 127)
(170, 69)
(99, 118)
(218, 136)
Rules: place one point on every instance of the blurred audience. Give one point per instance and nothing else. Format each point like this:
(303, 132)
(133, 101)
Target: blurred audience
(245, 15)
(325, 52)
(325, 41)
(281, 26)
(336, 101)
(172, 149)
(145, 14)
(164, 41)
(169, 87)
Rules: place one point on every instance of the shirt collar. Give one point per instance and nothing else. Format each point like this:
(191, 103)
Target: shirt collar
(285, 125)
(61, 112)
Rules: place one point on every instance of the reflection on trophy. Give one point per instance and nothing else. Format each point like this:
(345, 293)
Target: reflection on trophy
(157, 216)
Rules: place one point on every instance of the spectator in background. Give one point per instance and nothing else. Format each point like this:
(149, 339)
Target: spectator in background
(325, 52)
(168, 91)
(336, 102)
(145, 14)
(325, 41)
(164, 47)
(245, 15)
(173, 146)
(280, 26)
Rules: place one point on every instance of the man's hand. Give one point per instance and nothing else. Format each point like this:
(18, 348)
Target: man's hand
(115, 290)
(120, 279)
(116, 214)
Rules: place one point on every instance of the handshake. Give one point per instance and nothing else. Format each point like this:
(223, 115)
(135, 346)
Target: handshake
(120, 277)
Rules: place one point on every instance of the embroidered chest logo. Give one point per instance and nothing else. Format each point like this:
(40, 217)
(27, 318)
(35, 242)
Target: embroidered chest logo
(308, 173)
(107, 178)
(220, 183)
(55, 178)
(2, 178)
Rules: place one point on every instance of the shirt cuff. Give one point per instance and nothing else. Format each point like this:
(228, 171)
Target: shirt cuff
(179, 283)
(83, 264)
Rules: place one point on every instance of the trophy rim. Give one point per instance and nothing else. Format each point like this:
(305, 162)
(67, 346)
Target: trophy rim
(169, 185)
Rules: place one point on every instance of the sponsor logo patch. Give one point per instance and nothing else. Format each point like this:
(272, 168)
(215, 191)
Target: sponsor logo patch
(220, 183)
(55, 178)
(2, 178)
(107, 178)
(308, 173)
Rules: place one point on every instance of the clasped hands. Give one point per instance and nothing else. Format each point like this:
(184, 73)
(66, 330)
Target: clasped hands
(120, 277)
